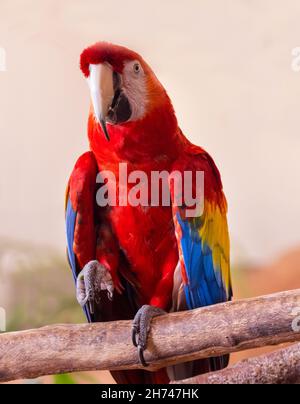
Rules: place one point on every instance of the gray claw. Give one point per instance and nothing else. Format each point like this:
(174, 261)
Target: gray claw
(141, 356)
(141, 327)
(93, 279)
(91, 304)
(134, 334)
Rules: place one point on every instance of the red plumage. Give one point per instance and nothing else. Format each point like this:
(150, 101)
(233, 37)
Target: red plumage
(137, 244)
(104, 52)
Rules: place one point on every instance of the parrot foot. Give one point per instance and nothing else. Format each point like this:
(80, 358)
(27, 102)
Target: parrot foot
(93, 279)
(141, 327)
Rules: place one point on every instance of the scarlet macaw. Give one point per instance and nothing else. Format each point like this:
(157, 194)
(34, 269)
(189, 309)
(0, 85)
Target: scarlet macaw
(132, 261)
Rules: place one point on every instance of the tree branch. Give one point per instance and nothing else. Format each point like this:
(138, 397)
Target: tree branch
(280, 367)
(174, 338)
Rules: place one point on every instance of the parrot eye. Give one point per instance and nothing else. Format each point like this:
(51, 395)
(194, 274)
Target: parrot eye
(136, 67)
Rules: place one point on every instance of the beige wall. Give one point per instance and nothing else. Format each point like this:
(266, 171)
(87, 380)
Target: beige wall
(227, 67)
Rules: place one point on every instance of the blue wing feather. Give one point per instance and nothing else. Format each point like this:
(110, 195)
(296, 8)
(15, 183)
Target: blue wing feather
(71, 216)
(205, 286)
(203, 244)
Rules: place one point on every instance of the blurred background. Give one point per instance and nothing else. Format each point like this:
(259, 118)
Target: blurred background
(229, 69)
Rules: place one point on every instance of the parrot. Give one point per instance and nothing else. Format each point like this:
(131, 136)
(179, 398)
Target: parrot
(135, 262)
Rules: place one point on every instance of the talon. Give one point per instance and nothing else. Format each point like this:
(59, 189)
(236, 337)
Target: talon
(141, 327)
(141, 356)
(110, 295)
(93, 279)
(134, 334)
(91, 304)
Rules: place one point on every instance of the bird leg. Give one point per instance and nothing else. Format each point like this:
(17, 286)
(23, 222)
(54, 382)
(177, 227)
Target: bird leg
(93, 279)
(141, 328)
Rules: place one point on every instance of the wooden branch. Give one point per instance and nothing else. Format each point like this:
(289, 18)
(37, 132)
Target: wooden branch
(280, 367)
(174, 338)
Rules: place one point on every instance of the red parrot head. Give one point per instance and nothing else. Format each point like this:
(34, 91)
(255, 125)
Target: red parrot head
(123, 87)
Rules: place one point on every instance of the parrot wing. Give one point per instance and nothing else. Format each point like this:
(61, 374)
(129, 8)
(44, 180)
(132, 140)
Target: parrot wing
(203, 243)
(80, 221)
(90, 237)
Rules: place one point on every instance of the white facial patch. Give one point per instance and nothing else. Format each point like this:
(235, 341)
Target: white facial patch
(135, 89)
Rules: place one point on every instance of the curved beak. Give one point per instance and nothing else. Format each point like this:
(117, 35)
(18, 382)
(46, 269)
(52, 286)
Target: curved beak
(102, 92)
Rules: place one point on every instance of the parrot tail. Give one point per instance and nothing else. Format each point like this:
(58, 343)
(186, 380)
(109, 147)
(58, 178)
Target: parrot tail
(191, 369)
(172, 373)
(141, 377)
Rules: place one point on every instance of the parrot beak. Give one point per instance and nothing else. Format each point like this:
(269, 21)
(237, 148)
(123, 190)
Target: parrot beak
(102, 92)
